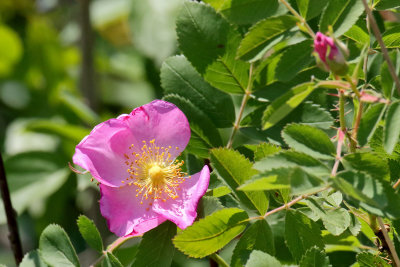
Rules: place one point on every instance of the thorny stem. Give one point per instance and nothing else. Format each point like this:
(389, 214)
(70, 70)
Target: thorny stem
(218, 259)
(296, 14)
(378, 37)
(389, 243)
(246, 97)
(357, 123)
(15, 240)
(113, 246)
(341, 111)
(340, 137)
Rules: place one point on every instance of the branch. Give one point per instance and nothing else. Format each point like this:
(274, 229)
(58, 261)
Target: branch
(242, 106)
(288, 205)
(378, 37)
(389, 242)
(15, 240)
(87, 81)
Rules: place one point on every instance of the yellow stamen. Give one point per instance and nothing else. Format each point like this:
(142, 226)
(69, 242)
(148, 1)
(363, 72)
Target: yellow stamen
(154, 173)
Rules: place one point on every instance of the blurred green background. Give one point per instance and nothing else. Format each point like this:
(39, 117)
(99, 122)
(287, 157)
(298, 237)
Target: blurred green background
(49, 101)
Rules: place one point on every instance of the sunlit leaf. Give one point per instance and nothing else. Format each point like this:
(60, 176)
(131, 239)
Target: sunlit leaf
(210, 234)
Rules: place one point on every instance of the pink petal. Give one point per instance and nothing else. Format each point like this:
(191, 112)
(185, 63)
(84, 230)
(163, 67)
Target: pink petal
(102, 152)
(182, 211)
(124, 213)
(162, 121)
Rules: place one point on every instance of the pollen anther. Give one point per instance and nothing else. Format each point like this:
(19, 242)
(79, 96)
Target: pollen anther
(156, 176)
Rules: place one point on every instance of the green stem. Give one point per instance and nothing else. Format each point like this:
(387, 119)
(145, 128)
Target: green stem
(372, 223)
(341, 111)
(218, 259)
(296, 14)
(246, 97)
(113, 246)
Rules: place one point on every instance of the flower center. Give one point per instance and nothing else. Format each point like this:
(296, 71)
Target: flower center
(156, 174)
(153, 172)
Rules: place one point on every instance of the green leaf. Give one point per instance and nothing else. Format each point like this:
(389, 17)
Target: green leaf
(367, 162)
(302, 182)
(79, 108)
(375, 196)
(213, 53)
(10, 49)
(260, 259)
(265, 149)
(210, 205)
(369, 122)
(204, 133)
(359, 32)
(391, 38)
(212, 233)
(202, 34)
(315, 115)
(387, 84)
(311, 8)
(355, 225)
(111, 261)
(267, 181)
(286, 159)
(386, 4)
(301, 233)
(226, 73)
(366, 259)
(392, 127)
(179, 77)
(341, 15)
(156, 248)
(315, 257)
(291, 61)
(336, 221)
(235, 169)
(56, 248)
(262, 34)
(89, 232)
(32, 177)
(126, 254)
(244, 11)
(282, 106)
(32, 259)
(257, 237)
(361, 187)
(309, 140)
(68, 131)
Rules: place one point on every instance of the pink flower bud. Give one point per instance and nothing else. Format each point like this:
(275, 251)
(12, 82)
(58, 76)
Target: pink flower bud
(329, 54)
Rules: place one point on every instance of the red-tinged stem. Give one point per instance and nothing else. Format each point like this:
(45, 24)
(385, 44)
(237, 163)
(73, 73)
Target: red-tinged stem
(288, 205)
(15, 240)
(396, 184)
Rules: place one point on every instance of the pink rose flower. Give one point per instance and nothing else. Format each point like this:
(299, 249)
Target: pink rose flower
(329, 55)
(133, 159)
